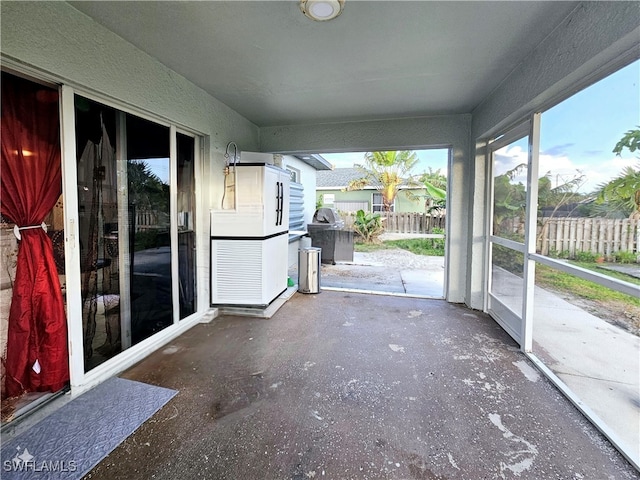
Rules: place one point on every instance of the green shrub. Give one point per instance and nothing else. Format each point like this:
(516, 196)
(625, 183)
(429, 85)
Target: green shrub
(438, 243)
(625, 257)
(586, 257)
(420, 246)
(368, 226)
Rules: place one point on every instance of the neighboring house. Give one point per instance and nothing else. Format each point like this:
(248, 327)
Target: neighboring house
(331, 191)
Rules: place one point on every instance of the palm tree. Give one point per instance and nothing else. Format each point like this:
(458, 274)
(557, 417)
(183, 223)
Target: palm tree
(620, 195)
(435, 184)
(387, 171)
(623, 192)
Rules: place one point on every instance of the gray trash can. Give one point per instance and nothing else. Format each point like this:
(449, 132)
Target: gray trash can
(309, 269)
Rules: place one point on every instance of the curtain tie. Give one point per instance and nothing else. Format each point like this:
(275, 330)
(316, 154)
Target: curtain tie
(16, 229)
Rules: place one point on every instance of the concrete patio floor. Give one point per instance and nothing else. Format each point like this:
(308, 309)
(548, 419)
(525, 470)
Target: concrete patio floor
(342, 385)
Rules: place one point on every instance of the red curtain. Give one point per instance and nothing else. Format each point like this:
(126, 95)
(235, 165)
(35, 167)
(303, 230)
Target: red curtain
(30, 184)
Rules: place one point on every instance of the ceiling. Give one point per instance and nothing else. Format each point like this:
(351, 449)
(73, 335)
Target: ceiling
(377, 60)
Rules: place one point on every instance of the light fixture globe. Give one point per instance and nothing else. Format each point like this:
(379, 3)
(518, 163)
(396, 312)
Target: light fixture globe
(322, 10)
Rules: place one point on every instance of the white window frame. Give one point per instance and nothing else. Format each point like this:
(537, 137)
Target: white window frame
(379, 207)
(294, 173)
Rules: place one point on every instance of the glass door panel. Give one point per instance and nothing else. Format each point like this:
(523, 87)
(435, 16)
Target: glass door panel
(124, 225)
(98, 230)
(186, 224)
(507, 282)
(149, 227)
(510, 190)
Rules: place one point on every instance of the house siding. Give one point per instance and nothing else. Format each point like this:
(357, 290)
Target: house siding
(402, 202)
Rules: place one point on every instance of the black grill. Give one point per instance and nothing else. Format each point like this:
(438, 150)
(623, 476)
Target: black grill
(328, 233)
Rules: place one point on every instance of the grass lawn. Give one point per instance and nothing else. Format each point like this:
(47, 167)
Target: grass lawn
(433, 247)
(559, 281)
(610, 305)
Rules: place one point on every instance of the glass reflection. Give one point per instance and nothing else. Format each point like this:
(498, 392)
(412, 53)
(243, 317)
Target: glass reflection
(124, 229)
(510, 190)
(186, 225)
(149, 227)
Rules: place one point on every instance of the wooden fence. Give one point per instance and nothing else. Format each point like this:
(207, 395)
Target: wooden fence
(404, 222)
(146, 220)
(595, 235)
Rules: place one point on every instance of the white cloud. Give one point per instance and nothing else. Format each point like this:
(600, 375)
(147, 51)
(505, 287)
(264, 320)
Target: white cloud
(562, 168)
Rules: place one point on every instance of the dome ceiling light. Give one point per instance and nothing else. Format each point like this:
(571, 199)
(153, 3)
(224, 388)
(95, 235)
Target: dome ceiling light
(322, 10)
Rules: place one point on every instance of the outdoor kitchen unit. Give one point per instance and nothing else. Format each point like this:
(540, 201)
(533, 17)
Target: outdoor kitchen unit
(249, 242)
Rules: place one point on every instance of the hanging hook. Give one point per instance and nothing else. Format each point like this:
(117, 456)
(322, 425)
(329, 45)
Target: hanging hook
(235, 153)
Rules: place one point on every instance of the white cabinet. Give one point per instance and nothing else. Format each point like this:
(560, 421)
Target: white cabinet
(248, 272)
(249, 244)
(261, 203)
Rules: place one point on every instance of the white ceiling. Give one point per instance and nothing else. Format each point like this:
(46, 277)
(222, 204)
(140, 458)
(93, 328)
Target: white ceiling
(379, 59)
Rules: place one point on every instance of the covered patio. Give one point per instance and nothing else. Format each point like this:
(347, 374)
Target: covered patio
(345, 385)
(339, 384)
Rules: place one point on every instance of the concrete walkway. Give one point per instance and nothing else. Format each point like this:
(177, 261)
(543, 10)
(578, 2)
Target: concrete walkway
(362, 274)
(340, 385)
(598, 361)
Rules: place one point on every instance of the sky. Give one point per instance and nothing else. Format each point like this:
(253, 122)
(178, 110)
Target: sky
(434, 158)
(577, 135)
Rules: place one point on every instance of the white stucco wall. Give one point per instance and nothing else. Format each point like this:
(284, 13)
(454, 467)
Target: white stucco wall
(595, 38)
(308, 180)
(63, 42)
(69, 47)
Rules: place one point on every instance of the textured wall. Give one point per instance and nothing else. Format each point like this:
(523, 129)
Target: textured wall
(73, 48)
(55, 42)
(308, 180)
(593, 36)
(596, 37)
(409, 133)
(57, 39)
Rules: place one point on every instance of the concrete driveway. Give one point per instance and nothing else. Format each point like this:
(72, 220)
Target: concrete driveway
(389, 271)
(393, 271)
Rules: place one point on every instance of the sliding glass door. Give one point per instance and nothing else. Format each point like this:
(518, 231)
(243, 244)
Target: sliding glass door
(129, 239)
(186, 203)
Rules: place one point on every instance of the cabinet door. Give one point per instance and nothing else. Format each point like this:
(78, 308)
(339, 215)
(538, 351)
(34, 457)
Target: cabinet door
(285, 179)
(249, 185)
(272, 202)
